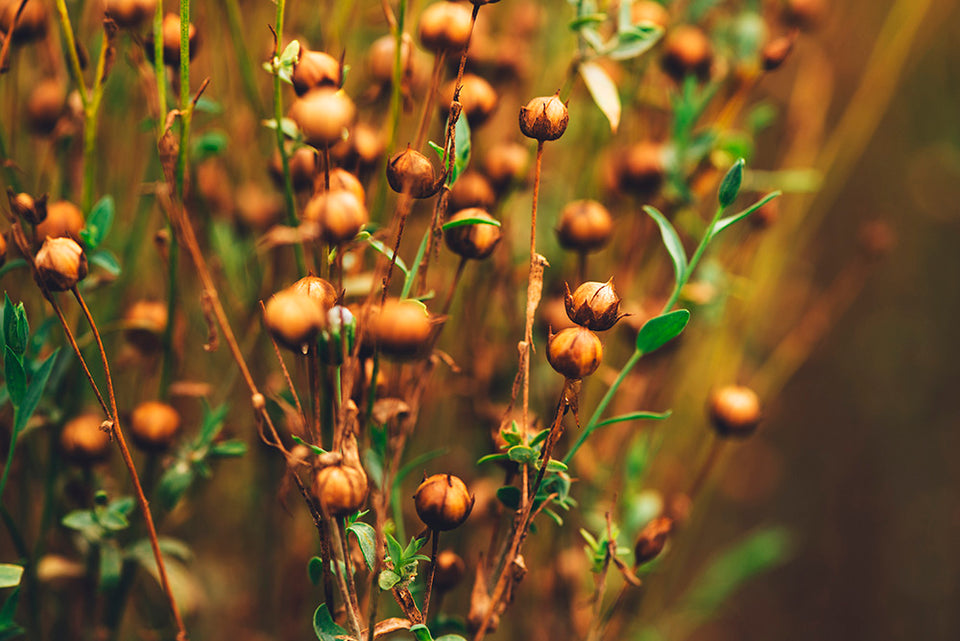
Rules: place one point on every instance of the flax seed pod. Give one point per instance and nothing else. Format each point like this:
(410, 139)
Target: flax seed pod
(146, 322)
(687, 50)
(445, 26)
(575, 352)
(314, 69)
(477, 96)
(154, 425)
(323, 115)
(506, 164)
(64, 219)
(734, 411)
(401, 328)
(83, 442)
(443, 502)
(293, 318)
(411, 172)
(641, 169)
(61, 264)
(339, 214)
(341, 489)
(593, 305)
(652, 539)
(585, 226)
(129, 14)
(472, 189)
(544, 118)
(477, 240)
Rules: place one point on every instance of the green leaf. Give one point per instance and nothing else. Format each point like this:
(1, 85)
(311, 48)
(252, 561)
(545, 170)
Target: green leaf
(313, 448)
(174, 483)
(658, 331)
(111, 565)
(35, 392)
(509, 495)
(367, 539)
(394, 550)
(415, 544)
(315, 569)
(421, 632)
(111, 519)
(324, 626)
(553, 465)
(636, 416)
(730, 185)
(231, 448)
(287, 125)
(388, 579)
(671, 240)
(212, 423)
(723, 223)
(522, 454)
(10, 575)
(211, 143)
(491, 458)
(635, 41)
(16, 329)
(440, 151)
(106, 260)
(99, 223)
(463, 222)
(603, 90)
(417, 462)
(450, 637)
(625, 16)
(461, 139)
(80, 520)
(587, 20)
(142, 551)
(16, 377)
(364, 236)
(8, 628)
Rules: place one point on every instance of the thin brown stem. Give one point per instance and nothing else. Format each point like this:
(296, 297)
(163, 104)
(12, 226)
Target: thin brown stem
(453, 285)
(286, 374)
(435, 550)
(313, 365)
(528, 330)
(438, 60)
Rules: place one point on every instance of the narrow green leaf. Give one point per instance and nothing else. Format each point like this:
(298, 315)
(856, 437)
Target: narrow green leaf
(461, 139)
(99, 223)
(111, 520)
(106, 260)
(491, 458)
(16, 377)
(324, 626)
(315, 569)
(79, 520)
(635, 41)
(313, 448)
(463, 222)
(553, 465)
(111, 565)
(6, 614)
(367, 538)
(603, 90)
(522, 454)
(22, 330)
(231, 448)
(394, 550)
(212, 424)
(671, 240)
(364, 236)
(636, 416)
(173, 484)
(658, 331)
(35, 392)
(588, 20)
(388, 579)
(730, 185)
(417, 462)
(509, 495)
(10, 575)
(723, 223)
(439, 151)
(625, 16)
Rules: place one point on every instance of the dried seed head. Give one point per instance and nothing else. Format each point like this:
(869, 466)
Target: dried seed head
(804, 14)
(585, 226)
(687, 50)
(63, 220)
(506, 164)
(445, 26)
(340, 215)
(146, 321)
(450, 570)
(472, 189)
(641, 169)
(323, 115)
(170, 32)
(775, 52)
(32, 23)
(45, 105)
(341, 489)
(303, 168)
(293, 318)
(321, 291)
(734, 411)
(381, 56)
(443, 502)
(575, 352)
(129, 14)
(154, 425)
(477, 240)
(401, 328)
(343, 180)
(651, 540)
(61, 264)
(544, 118)
(34, 211)
(593, 305)
(477, 97)
(256, 207)
(411, 172)
(650, 11)
(315, 69)
(367, 144)
(83, 442)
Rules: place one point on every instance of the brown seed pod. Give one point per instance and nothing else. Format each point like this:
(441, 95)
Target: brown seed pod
(64, 219)
(687, 50)
(804, 14)
(443, 502)
(340, 215)
(146, 321)
(775, 52)
(343, 180)
(450, 570)
(367, 144)
(171, 40)
(129, 14)
(411, 172)
(650, 11)
(303, 168)
(472, 189)
(641, 169)
(445, 26)
(544, 118)
(476, 240)
(380, 58)
(83, 442)
(315, 69)
(506, 164)
(32, 24)
(401, 328)
(593, 305)
(258, 208)
(652, 539)
(61, 264)
(293, 318)
(323, 115)
(575, 352)
(477, 97)
(585, 226)
(154, 425)
(734, 411)
(341, 489)
(45, 105)
(32, 210)
(321, 291)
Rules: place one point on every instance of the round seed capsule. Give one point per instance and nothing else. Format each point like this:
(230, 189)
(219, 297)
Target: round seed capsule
(585, 225)
(544, 118)
(82, 441)
(477, 240)
(652, 539)
(293, 318)
(401, 328)
(323, 115)
(340, 215)
(315, 69)
(445, 26)
(575, 352)
(735, 411)
(687, 50)
(443, 502)
(593, 305)
(411, 172)
(154, 425)
(61, 264)
(341, 489)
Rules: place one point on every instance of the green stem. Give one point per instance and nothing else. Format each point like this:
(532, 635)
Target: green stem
(159, 70)
(395, 102)
(235, 24)
(173, 261)
(415, 266)
(72, 50)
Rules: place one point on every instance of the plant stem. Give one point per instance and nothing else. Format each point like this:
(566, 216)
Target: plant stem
(159, 70)
(235, 24)
(531, 304)
(71, 44)
(433, 570)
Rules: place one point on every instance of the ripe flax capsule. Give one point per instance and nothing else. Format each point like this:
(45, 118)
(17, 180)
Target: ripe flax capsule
(443, 502)
(593, 305)
(544, 118)
(575, 352)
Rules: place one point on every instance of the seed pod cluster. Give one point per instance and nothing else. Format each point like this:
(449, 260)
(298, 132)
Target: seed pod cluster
(443, 502)
(585, 226)
(411, 172)
(575, 352)
(652, 539)
(154, 425)
(477, 240)
(593, 305)
(734, 411)
(83, 442)
(445, 26)
(61, 264)
(544, 118)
